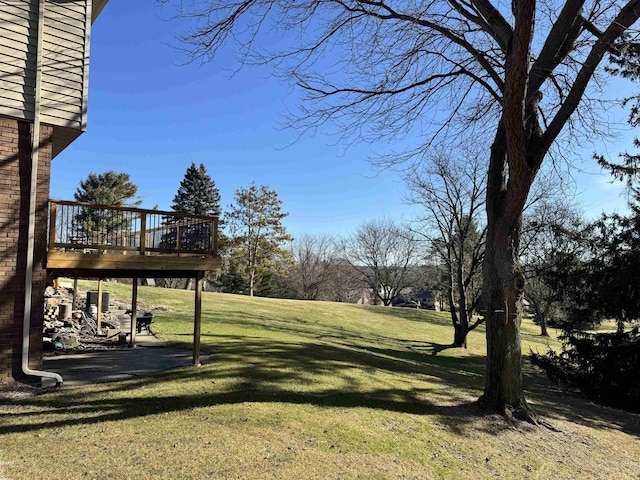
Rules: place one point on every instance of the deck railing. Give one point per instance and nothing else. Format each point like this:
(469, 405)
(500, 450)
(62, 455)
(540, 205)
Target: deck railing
(92, 228)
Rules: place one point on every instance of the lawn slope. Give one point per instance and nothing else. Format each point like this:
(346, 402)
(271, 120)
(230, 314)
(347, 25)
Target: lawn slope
(300, 390)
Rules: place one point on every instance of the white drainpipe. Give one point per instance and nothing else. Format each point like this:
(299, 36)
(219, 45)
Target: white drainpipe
(26, 322)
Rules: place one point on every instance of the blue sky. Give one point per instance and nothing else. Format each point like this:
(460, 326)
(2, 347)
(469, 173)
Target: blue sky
(150, 116)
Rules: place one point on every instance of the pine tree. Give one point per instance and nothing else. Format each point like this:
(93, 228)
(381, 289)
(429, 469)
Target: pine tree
(108, 188)
(197, 193)
(257, 232)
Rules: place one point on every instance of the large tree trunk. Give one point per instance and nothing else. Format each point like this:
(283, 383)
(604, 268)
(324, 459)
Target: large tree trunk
(503, 289)
(512, 169)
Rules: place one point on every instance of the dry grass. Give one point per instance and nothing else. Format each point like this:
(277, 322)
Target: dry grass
(311, 390)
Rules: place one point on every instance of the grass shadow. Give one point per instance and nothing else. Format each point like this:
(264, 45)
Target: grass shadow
(255, 370)
(554, 403)
(246, 369)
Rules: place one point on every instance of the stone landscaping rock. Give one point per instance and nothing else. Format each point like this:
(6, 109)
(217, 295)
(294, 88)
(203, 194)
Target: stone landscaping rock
(77, 331)
(69, 340)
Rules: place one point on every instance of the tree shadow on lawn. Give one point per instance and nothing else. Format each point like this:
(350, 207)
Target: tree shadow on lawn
(308, 330)
(413, 350)
(245, 370)
(554, 403)
(250, 369)
(411, 314)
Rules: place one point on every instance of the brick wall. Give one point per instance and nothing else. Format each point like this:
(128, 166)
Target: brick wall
(15, 175)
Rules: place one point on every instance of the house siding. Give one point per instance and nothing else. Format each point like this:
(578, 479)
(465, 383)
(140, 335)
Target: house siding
(64, 60)
(15, 158)
(18, 31)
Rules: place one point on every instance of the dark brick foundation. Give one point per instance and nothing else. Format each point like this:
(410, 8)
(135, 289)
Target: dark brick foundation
(15, 177)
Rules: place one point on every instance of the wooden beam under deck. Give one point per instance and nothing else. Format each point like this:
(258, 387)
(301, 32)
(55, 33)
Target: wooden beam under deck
(164, 264)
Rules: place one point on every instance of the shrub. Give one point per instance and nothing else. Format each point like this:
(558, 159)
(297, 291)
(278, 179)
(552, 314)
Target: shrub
(603, 366)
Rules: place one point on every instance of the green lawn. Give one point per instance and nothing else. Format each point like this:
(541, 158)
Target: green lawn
(302, 390)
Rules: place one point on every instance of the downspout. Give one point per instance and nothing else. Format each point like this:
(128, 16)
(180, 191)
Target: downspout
(35, 147)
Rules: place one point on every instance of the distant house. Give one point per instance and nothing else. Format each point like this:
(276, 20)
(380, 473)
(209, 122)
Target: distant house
(419, 298)
(44, 59)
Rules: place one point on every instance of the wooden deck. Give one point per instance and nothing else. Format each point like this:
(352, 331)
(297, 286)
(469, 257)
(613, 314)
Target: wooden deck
(99, 241)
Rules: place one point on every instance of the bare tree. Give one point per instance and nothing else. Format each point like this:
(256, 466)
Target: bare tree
(312, 256)
(543, 240)
(343, 286)
(386, 255)
(379, 69)
(452, 194)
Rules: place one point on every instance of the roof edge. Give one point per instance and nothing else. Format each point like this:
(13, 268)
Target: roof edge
(97, 7)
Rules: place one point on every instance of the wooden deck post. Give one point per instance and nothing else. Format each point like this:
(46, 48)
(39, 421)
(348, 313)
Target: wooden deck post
(99, 314)
(52, 226)
(197, 319)
(75, 294)
(143, 233)
(134, 312)
(214, 240)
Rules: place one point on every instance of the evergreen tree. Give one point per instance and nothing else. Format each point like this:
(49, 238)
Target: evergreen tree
(197, 193)
(255, 223)
(612, 274)
(231, 280)
(603, 366)
(600, 281)
(108, 188)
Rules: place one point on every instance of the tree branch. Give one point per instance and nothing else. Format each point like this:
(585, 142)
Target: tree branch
(514, 111)
(561, 38)
(494, 22)
(628, 15)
